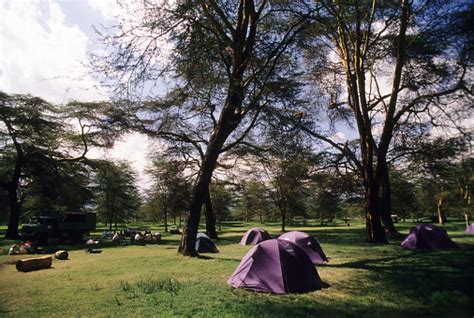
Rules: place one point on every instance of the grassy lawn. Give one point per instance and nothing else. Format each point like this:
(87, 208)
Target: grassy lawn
(154, 280)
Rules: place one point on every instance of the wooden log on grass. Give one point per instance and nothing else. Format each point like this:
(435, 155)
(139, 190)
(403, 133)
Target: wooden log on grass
(61, 255)
(32, 264)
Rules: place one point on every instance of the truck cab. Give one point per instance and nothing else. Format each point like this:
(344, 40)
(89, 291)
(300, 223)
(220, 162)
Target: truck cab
(72, 225)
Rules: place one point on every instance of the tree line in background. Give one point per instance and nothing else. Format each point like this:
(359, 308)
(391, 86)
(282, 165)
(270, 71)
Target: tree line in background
(44, 168)
(260, 88)
(286, 182)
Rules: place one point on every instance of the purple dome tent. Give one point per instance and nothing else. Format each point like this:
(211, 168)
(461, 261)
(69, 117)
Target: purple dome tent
(308, 244)
(254, 236)
(470, 229)
(428, 237)
(276, 266)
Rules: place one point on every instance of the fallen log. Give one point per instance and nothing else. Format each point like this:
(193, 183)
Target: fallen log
(32, 264)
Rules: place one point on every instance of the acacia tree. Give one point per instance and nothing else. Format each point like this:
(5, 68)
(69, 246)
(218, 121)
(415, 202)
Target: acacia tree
(254, 202)
(286, 167)
(170, 188)
(436, 166)
(35, 135)
(225, 57)
(387, 64)
(51, 186)
(221, 202)
(117, 195)
(326, 189)
(403, 195)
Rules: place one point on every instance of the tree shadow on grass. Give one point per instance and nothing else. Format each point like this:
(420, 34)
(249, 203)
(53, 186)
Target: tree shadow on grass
(443, 278)
(435, 283)
(295, 308)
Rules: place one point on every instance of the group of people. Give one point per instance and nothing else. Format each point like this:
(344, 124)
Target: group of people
(146, 238)
(25, 247)
(119, 238)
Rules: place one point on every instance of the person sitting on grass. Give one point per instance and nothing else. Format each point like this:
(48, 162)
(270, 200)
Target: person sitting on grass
(14, 250)
(116, 238)
(138, 238)
(148, 237)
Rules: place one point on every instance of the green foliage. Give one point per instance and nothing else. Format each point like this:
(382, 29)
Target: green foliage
(444, 175)
(404, 200)
(255, 202)
(170, 192)
(222, 201)
(326, 197)
(42, 158)
(117, 196)
(65, 186)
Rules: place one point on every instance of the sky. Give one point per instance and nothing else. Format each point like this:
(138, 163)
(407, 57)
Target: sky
(44, 50)
(44, 47)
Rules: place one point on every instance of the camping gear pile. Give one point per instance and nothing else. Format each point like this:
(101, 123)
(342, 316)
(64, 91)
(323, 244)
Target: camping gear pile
(92, 246)
(175, 230)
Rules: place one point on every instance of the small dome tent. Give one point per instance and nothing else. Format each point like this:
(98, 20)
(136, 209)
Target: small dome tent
(428, 236)
(204, 244)
(308, 244)
(254, 236)
(276, 266)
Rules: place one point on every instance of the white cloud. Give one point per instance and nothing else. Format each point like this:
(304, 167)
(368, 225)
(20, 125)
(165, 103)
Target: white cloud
(133, 148)
(42, 55)
(109, 9)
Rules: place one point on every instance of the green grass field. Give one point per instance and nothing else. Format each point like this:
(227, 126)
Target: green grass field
(154, 280)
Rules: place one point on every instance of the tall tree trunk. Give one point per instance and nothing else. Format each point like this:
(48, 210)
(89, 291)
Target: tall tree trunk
(111, 219)
(15, 213)
(12, 188)
(283, 218)
(210, 218)
(165, 216)
(228, 121)
(109, 209)
(439, 211)
(374, 230)
(188, 241)
(386, 204)
(243, 41)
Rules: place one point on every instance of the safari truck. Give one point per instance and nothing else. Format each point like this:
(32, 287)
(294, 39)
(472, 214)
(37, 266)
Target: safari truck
(69, 225)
